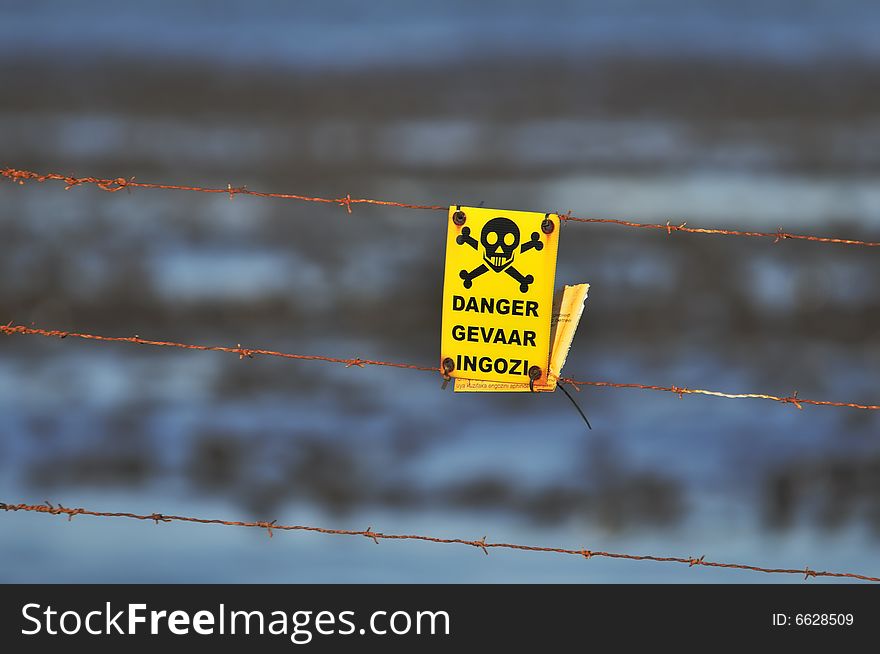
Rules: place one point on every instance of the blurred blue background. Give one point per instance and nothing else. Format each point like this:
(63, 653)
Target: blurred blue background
(741, 115)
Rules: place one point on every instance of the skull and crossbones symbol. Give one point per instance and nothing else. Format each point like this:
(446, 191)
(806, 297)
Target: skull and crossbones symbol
(500, 240)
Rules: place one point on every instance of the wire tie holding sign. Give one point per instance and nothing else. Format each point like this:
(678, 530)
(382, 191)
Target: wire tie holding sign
(560, 386)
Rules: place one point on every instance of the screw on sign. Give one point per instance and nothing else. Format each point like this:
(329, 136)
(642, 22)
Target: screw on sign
(498, 295)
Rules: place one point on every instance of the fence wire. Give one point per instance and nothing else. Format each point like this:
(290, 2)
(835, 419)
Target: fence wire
(112, 185)
(481, 544)
(250, 353)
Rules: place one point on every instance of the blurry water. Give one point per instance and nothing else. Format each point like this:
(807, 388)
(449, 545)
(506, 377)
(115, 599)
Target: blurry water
(753, 115)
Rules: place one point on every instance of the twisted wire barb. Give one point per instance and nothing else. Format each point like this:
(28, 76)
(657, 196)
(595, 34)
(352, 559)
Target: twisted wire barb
(243, 352)
(112, 185)
(481, 544)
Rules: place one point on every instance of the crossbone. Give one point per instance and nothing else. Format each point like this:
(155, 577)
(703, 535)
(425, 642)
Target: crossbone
(535, 243)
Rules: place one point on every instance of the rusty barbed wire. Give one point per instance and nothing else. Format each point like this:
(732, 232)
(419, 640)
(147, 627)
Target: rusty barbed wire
(669, 228)
(113, 185)
(119, 183)
(682, 391)
(242, 352)
(482, 543)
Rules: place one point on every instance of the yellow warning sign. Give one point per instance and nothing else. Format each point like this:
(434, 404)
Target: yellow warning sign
(498, 294)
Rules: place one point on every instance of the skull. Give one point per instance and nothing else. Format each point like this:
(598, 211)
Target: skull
(500, 238)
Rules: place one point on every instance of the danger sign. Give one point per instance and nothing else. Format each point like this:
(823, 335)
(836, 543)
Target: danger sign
(498, 294)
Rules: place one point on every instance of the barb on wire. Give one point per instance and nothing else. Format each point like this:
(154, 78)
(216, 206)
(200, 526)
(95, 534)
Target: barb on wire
(112, 185)
(481, 543)
(11, 329)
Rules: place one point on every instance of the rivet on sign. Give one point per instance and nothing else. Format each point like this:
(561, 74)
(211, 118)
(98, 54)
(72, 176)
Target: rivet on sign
(458, 218)
(448, 367)
(534, 375)
(547, 225)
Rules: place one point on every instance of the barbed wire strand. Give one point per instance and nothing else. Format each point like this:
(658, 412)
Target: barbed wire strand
(482, 543)
(119, 183)
(242, 352)
(669, 227)
(113, 185)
